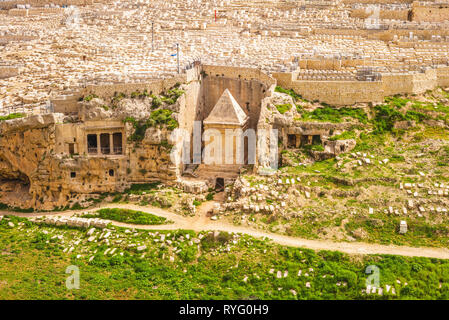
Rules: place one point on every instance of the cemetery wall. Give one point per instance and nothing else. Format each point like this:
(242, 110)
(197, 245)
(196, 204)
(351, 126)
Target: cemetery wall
(436, 13)
(383, 14)
(318, 64)
(384, 35)
(155, 87)
(238, 73)
(443, 76)
(350, 92)
(66, 104)
(330, 64)
(69, 103)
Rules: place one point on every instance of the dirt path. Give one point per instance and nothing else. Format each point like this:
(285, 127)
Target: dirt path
(201, 222)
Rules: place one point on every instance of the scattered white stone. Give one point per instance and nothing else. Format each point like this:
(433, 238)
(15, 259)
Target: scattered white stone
(403, 227)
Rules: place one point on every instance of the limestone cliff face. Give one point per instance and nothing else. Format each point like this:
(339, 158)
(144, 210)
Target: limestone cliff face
(37, 172)
(150, 158)
(26, 146)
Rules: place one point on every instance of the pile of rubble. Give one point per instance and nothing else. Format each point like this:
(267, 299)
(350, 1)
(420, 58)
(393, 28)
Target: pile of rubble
(73, 222)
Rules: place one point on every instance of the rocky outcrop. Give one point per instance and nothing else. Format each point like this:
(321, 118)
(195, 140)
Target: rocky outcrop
(26, 145)
(32, 175)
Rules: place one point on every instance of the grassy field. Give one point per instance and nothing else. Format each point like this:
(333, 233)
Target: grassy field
(127, 216)
(34, 259)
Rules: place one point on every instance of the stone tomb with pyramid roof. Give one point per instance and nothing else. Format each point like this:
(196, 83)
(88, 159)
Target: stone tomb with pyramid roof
(218, 166)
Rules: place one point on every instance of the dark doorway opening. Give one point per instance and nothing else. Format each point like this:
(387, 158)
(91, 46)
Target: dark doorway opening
(219, 184)
(105, 143)
(71, 148)
(111, 172)
(291, 141)
(304, 140)
(92, 143)
(117, 141)
(316, 139)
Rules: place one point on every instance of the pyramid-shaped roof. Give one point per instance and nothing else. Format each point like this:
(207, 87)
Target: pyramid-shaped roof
(227, 111)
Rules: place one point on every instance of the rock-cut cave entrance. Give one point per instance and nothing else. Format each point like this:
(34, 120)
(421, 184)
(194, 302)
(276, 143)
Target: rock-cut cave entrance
(15, 187)
(219, 184)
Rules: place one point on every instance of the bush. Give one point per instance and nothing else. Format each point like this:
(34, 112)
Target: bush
(172, 95)
(188, 254)
(40, 240)
(344, 136)
(156, 103)
(283, 108)
(159, 118)
(139, 188)
(330, 114)
(396, 101)
(90, 97)
(163, 117)
(127, 216)
(12, 116)
(212, 242)
(118, 97)
(385, 118)
(164, 144)
(296, 97)
(416, 116)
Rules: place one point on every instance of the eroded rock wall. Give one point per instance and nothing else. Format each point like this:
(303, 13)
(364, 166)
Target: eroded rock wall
(26, 146)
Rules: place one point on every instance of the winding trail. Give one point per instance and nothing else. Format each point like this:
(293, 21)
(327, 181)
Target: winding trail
(201, 222)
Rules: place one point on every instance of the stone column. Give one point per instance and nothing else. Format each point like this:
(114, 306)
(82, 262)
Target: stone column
(111, 143)
(98, 144)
